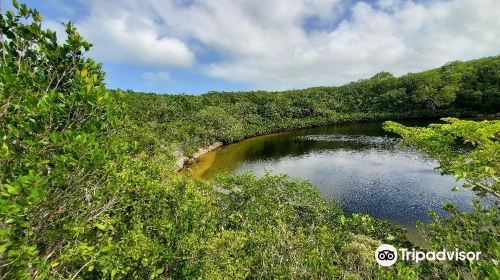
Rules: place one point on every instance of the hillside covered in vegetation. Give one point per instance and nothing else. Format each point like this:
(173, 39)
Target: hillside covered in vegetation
(89, 188)
(455, 89)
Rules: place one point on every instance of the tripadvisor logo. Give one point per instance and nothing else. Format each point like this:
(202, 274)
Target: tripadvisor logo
(387, 255)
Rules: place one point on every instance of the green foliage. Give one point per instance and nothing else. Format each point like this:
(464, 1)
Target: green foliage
(456, 89)
(434, 90)
(283, 227)
(55, 116)
(479, 167)
(477, 231)
(89, 188)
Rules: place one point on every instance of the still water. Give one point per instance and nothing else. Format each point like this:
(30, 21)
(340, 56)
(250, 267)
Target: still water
(360, 165)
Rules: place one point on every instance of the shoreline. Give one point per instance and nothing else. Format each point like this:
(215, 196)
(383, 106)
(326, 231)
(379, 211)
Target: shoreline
(184, 162)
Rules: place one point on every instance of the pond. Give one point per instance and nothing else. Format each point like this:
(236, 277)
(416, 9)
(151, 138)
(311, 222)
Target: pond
(360, 165)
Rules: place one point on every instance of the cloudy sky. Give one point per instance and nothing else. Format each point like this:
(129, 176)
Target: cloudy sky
(195, 46)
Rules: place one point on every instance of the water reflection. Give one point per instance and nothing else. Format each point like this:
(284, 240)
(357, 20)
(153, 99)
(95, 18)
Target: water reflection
(360, 165)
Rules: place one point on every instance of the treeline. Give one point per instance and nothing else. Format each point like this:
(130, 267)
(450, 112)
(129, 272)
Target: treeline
(87, 194)
(455, 89)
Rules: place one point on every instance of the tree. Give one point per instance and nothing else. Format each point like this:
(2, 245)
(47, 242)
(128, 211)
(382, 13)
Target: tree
(55, 117)
(434, 91)
(479, 167)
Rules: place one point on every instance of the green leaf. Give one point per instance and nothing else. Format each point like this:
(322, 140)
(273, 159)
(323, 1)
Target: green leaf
(13, 130)
(159, 270)
(100, 226)
(54, 137)
(4, 247)
(36, 193)
(84, 73)
(12, 189)
(5, 150)
(9, 14)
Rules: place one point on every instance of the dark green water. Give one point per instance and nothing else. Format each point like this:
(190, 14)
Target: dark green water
(360, 165)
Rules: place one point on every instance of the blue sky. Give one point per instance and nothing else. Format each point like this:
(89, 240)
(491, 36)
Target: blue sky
(196, 46)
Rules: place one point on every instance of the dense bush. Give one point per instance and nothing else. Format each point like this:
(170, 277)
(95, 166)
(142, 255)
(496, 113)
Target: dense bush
(456, 89)
(478, 169)
(283, 227)
(86, 193)
(55, 121)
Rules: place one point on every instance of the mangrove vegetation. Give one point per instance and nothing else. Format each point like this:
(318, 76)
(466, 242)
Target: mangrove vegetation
(89, 187)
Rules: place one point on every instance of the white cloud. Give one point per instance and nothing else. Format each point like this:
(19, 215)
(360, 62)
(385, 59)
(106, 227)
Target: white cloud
(411, 38)
(125, 31)
(155, 77)
(266, 43)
